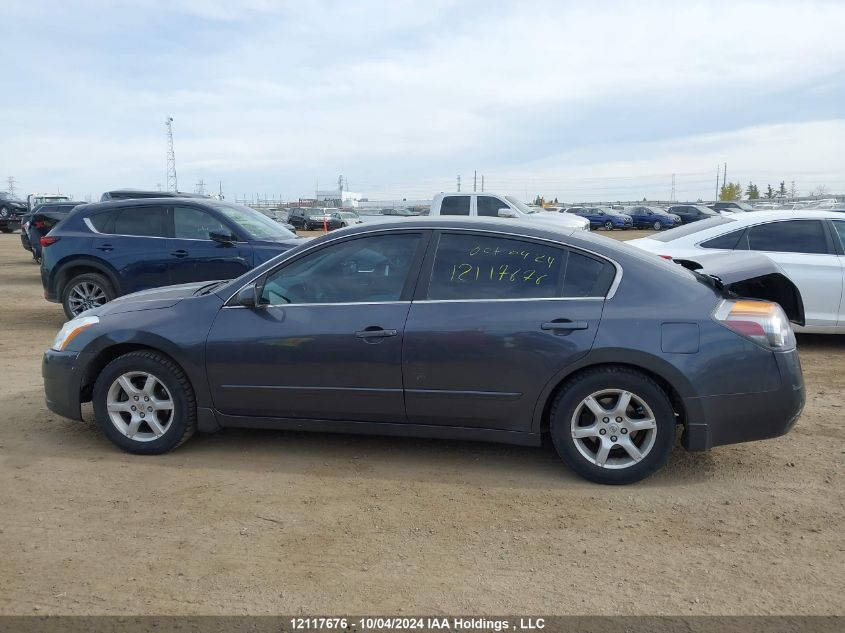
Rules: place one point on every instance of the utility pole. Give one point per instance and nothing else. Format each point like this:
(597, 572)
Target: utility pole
(482, 183)
(672, 197)
(474, 179)
(172, 185)
(158, 186)
(11, 186)
(201, 186)
(725, 175)
(717, 182)
(459, 182)
(219, 189)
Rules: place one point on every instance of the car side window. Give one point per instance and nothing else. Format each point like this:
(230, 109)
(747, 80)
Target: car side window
(362, 270)
(488, 206)
(587, 276)
(455, 205)
(728, 241)
(135, 221)
(840, 230)
(195, 224)
(791, 236)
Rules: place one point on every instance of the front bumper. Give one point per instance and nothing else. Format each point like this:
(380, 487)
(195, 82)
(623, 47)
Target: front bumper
(744, 417)
(12, 223)
(62, 373)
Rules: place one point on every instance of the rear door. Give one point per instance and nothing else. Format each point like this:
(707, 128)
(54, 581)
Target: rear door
(805, 251)
(839, 230)
(133, 240)
(493, 320)
(196, 257)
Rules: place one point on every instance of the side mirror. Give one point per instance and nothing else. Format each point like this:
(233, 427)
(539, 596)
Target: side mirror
(507, 212)
(249, 296)
(222, 237)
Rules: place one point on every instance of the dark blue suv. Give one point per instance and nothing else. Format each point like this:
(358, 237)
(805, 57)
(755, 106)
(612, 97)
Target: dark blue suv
(603, 217)
(652, 218)
(105, 250)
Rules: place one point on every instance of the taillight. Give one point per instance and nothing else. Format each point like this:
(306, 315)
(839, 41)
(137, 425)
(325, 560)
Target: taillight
(47, 240)
(761, 321)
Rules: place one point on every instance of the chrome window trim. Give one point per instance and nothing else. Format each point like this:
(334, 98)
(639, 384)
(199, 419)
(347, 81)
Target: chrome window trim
(610, 293)
(149, 237)
(312, 305)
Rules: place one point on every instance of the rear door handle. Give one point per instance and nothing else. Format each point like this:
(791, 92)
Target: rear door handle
(105, 248)
(180, 253)
(375, 332)
(564, 325)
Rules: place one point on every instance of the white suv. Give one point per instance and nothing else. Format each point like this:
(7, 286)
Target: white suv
(498, 206)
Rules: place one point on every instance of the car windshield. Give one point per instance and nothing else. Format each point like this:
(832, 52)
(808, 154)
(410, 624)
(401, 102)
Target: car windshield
(689, 229)
(519, 204)
(259, 226)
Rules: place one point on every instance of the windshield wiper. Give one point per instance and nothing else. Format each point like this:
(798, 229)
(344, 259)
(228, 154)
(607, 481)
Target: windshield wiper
(208, 288)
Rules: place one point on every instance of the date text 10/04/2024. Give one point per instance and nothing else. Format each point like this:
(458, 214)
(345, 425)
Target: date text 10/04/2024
(409, 623)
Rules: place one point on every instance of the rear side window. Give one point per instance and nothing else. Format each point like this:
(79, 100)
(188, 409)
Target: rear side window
(587, 276)
(140, 222)
(728, 241)
(480, 267)
(455, 205)
(792, 236)
(488, 206)
(840, 230)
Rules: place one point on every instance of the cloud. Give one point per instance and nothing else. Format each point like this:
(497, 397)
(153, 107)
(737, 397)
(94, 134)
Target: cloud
(400, 96)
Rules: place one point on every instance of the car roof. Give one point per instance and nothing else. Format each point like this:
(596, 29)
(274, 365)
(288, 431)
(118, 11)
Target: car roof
(143, 202)
(756, 217)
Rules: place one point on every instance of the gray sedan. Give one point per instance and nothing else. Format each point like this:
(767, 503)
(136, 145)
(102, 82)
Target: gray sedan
(488, 330)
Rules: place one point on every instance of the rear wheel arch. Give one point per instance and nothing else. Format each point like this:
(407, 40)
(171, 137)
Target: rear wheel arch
(67, 270)
(540, 423)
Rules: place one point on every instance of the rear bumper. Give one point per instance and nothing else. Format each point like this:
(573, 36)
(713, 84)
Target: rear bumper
(744, 417)
(62, 373)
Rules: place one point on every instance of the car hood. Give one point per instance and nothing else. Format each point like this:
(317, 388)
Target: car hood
(750, 275)
(153, 299)
(559, 220)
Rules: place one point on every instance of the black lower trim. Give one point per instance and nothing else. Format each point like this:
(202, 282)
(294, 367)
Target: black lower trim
(381, 428)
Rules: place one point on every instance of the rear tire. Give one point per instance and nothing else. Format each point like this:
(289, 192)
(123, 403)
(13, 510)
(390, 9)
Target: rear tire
(85, 291)
(158, 389)
(612, 425)
(6, 229)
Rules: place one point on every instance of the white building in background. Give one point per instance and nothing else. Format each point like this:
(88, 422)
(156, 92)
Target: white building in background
(338, 198)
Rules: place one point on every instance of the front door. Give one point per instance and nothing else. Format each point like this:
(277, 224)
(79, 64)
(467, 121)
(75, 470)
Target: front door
(327, 344)
(196, 257)
(499, 319)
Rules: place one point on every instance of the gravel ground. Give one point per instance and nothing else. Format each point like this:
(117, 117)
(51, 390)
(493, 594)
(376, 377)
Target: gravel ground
(275, 522)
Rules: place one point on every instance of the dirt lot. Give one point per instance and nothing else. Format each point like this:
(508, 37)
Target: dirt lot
(266, 522)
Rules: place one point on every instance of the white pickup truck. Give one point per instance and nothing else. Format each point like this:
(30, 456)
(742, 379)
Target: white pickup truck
(498, 206)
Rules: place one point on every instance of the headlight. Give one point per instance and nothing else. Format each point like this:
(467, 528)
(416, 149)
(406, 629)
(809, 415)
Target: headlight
(71, 329)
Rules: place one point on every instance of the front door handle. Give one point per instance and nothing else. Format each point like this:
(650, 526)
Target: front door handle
(564, 326)
(180, 253)
(105, 248)
(375, 332)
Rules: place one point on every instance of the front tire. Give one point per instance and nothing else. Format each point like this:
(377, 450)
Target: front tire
(613, 425)
(608, 226)
(86, 291)
(657, 226)
(144, 403)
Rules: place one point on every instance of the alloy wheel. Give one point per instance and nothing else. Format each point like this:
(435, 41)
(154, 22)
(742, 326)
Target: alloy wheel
(613, 428)
(657, 226)
(84, 296)
(140, 406)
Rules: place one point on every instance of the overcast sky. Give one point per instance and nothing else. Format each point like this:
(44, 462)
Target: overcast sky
(596, 100)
